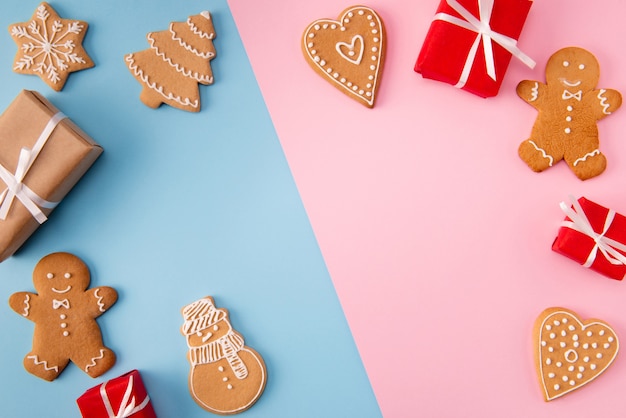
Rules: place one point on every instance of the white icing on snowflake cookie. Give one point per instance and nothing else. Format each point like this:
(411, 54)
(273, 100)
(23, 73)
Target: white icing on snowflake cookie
(50, 47)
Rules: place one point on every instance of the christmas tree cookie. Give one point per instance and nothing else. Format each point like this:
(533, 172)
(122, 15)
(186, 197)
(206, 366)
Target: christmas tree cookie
(226, 377)
(50, 47)
(178, 59)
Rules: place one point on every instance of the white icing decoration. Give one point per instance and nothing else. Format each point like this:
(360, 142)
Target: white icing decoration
(51, 54)
(568, 130)
(570, 108)
(67, 289)
(50, 276)
(196, 31)
(94, 359)
(35, 359)
(593, 366)
(584, 157)
(153, 86)
(65, 333)
(534, 92)
(569, 95)
(603, 102)
(351, 49)
(26, 305)
(565, 64)
(201, 78)
(543, 153)
(67, 275)
(99, 301)
(64, 303)
(570, 83)
(581, 67)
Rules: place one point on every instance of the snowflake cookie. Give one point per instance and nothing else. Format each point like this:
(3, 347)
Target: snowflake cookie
(50, 47)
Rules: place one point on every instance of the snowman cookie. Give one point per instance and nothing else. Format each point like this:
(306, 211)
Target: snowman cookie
(569, 107)
(64, 313)
(226, 377)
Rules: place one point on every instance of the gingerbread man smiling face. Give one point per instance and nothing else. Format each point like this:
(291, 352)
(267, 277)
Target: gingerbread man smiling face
(569, 107)
(64, 313)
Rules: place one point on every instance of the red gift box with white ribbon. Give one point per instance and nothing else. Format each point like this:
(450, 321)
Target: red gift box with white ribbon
(122, 397)
(594, 236)
(470, 43)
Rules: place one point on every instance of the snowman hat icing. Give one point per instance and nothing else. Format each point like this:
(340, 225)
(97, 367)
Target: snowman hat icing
(200, 315)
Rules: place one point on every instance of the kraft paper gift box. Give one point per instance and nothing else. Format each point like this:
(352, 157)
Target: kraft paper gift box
(122, 397)
(470, 43)
(593, 236)
(42, 156)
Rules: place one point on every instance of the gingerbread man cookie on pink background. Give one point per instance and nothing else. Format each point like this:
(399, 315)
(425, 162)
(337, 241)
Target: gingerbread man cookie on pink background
(64, 313)
(569, 107)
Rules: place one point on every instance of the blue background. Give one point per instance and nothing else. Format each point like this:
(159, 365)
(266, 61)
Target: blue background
(180, 206)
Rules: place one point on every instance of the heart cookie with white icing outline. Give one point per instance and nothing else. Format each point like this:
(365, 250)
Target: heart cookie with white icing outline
(569, 353)
(348, 52)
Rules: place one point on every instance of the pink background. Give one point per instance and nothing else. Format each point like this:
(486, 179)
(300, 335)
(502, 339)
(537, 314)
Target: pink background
(436, 235)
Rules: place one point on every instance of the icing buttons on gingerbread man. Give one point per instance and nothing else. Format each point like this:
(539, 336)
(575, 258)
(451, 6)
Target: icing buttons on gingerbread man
(569, 107)
(64, 313)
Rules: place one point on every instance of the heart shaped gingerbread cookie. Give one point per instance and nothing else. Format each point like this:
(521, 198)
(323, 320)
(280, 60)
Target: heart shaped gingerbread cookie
(569, 353)
(348, 52)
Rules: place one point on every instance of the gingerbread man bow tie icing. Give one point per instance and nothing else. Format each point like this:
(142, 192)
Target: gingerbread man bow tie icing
(569, 95)
(349, 52)
(569, 107)
(569, 352)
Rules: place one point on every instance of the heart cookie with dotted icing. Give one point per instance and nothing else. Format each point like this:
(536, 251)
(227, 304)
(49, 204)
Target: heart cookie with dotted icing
(570, 353)
(348, 52)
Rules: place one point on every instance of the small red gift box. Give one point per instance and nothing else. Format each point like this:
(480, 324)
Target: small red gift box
(594, 236)
(122, 397)
(470, 43)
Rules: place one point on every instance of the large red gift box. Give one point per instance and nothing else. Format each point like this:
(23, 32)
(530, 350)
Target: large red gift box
(470, 43)
(122, 397)
(594, 236)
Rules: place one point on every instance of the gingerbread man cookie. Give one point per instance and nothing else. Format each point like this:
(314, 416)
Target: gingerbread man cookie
(569, 107)
(226, 377)
(64, 313)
